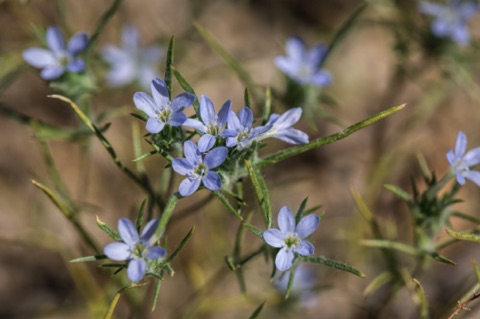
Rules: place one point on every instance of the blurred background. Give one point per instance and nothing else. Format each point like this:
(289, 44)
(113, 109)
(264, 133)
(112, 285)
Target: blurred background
(382, 61)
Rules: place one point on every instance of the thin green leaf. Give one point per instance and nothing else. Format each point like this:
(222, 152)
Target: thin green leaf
(88, 258)
(409, 250)
(113, 303)
(181, 245)
(246, 99)
(268, 105)
(261, 191)
(463, 236)
(156, 294)
(422, 299)
(167, 213)
(468, 217)
(139, 220)
(321, 141)
(291, 277)
(169, 64)
(477, 270)
(227, 204)
(332, 263)
(256, 231)
(110, 231)
(257, 311)
(378, 282)
(187, 87)
(443, 259)
(399, 192)
(301, 210)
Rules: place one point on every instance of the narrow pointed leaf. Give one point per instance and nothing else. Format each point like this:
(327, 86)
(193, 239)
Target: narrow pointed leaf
(227, 204)
(261, 191)
(107, 229)
(332, 263)
(378, 282)
(257, 232)
(463, 236)
(399, 192)
(139, 220)
(168, 66)
(257, 311)
(246, 99)
(113, 303)
(166, 214)
(422, 299)
(468, 217)
(301, 210)
(187, 87)
(158, 285)
(88, 258)
(409, 250)
(181, 245)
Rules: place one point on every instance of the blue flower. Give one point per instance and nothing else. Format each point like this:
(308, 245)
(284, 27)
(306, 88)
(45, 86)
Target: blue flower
(451, 20)
(58, 58)
(302, 65)
(461, 162)
(245, 134)
(130, 62)
(210, 123)
(198, 167)
(281, 127)
(290, 238)
(135, 249)
(160, 109)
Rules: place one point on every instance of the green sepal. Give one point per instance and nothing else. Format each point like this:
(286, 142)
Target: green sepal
(261, 191)
(168, 66)
(181, 245)
(110, 231)
(332, 263)
(463, 236)
(88, 258)
(399, 192)
(257, 311)
(188, 88)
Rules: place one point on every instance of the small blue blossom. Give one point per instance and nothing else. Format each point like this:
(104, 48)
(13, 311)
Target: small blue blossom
(198, 167)
(461, 162)
(130, 62)
(302, 65)
(281, 127)
(210, 123)
(160, 109)
(135, 249)
(58, 58)
(245, 134)
(290, 238)
(451, 20)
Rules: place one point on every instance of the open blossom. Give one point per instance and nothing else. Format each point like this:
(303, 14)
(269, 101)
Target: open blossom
(130, 62)
(290, 238)
(58, 58)
(281, 127)
(303, 65)
(245, 134)
(135, 249)
(451, 20)
(461, 161)
(160, 109)
(211, 123)
(198, 167)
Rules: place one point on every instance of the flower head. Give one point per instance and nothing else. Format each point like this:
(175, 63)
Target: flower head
(451, 20)
(160, 109)
(58, 58)
(290, 238)
(242, 126)
(281, 127)
(197, 167)
(302, 65)
(211, 123)
(461, 162)
(135, 249)
(130, 62)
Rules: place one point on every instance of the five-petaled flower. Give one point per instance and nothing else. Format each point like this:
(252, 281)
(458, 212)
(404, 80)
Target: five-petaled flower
(290, 238)
(302, 65)
(211, 123)
(451, 20)
(461, 162)
(58, 58)
(198, 167)
(245, 134)
(160, 109)
(281, 127)
(130, 62)
(135, 249)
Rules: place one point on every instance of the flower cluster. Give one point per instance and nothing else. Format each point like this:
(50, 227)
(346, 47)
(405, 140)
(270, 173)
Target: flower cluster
(461, 161)
(59, 57)
(450, 21)
(129, 62)
(302, 65)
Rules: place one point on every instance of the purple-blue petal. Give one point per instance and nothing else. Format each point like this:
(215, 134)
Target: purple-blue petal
(117, 251)
(182, 166)
(451, 157)
(188, 186)
(136, 269)
(190, 150)
(207, 111)
(224, 112)
(472, 157)
(156, 252)
(182, 101)
(177, 118)
(292, 136)
(284, 259)
(128, 232)
(77, 43)
(461, 144)
(206, 142)
(52, 72)
(196, 124)
(307, 225)
(215, 157)
(246, 117)
(234, 122)
(305, 248)
(212, 181)
(39, 58)
(321, 78)
(55, 39)
(295, 48)
(460, 178)
(474, 176)
(274, 237)
(77, 65)
(149, 230)
(286, 220)
(145, 103)
(154, 126)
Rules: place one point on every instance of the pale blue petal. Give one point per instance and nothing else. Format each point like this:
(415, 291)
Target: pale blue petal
(145, 103)
(122, 75)
(114, 55)
(287, 119)
(460, 34)
(207, 111)
(307, 225)
(321, 78)
(136, 269)
(234, 122)
(182, 166)
(152, 55)
(284, 259)
(286, 220)
(76, 65)
(474, 176)
(472, 157)
(305, 248)
(182, 101)
(216, 157)
(55, 40)
(292, 136)
(149, 230)
(272, 119)
(190, 150)
(316, 55)
(212, 181)
(52, 72)
(117, 251)
(206, 142)
(440, 28)
(295, 48)
(246, 117)
(130, 37)
(468, 10)
(431, 8)
(128, 232)
(188, 186)
(39, 58)
(224, 112)
(286, 66)
(156, 252)
(160, 93)
(177, 118)
(451, 157)
(274, 237)
(154, 126)
(228, 133)
(461, 144)
(77, 43)
(196, 124)
(460, 178)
